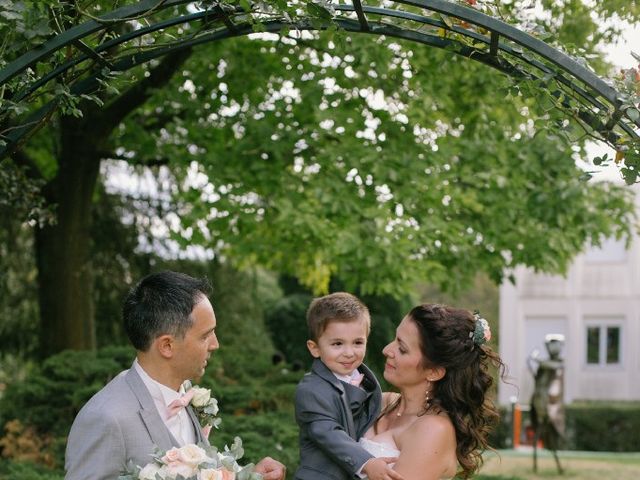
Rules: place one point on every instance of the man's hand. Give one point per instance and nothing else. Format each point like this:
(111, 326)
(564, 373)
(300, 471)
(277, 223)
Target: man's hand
(377, 469)
(271, 469)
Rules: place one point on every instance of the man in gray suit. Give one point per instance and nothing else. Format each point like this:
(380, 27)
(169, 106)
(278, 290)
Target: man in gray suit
(171, 323)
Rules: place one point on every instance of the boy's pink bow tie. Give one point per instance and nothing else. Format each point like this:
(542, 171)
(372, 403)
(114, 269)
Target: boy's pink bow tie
(174, 407)
(356, 379)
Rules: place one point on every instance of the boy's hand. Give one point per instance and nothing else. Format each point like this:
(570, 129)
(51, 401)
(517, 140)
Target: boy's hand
(377, 469)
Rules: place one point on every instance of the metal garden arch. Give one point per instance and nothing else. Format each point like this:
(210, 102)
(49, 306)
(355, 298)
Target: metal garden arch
(469, 33)
(82, 58)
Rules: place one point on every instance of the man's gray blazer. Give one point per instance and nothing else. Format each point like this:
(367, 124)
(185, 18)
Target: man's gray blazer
(328, 429)
(118, 425)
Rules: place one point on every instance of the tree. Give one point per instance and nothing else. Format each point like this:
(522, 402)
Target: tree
(320, 155)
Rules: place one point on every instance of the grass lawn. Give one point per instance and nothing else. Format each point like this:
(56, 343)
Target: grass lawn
(518, 465)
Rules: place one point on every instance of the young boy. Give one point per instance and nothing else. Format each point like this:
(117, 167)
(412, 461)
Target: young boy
(340, 398)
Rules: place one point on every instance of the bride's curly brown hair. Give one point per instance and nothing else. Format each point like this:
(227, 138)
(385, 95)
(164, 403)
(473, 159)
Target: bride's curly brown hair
(446, 340)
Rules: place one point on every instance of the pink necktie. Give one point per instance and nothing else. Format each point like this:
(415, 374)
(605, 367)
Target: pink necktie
(174, 407)
(356, 379)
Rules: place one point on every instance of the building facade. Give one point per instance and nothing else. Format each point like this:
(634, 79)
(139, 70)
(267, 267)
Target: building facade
(597, 309)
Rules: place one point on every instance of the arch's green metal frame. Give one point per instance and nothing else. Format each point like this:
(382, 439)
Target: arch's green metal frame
(473, 35)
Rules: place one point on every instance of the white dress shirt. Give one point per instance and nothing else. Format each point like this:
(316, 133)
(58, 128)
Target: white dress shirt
(179, 425)
(347, 378)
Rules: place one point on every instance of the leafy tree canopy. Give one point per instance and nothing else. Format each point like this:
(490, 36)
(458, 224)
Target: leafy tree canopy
(328, 154)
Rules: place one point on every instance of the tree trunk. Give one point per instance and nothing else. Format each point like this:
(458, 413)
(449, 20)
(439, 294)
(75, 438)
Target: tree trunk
(63, 250)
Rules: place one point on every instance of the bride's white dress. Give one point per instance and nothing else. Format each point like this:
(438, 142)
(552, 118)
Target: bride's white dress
(379, 449)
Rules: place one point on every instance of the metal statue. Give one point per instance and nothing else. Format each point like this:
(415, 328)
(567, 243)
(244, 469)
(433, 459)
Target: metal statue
(547, 408)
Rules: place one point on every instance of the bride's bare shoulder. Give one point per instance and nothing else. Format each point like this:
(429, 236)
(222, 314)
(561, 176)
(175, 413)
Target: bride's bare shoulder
(433, 425)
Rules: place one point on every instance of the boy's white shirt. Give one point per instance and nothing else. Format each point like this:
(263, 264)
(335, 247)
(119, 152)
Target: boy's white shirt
(346, 378)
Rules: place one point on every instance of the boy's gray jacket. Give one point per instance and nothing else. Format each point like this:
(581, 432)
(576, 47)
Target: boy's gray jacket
(332, 415)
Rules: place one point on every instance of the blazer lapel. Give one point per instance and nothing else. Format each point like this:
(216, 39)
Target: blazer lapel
(158, 431)
(200, 438)
(371, 385)
(356, 395)
(322, 371)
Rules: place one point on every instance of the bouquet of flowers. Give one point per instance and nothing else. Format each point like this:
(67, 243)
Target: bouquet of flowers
(195, 462)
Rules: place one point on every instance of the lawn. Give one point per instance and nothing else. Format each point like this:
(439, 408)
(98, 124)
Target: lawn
(518, 465)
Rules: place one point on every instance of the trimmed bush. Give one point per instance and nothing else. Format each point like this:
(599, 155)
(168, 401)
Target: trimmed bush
(273, 434)
(27, 471)
(51, 396)
(287, 325)
(604, 427)
(590, 426)
(43, 405)
(500, 436)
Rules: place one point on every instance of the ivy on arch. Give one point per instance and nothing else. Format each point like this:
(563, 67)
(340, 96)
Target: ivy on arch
(75, 62)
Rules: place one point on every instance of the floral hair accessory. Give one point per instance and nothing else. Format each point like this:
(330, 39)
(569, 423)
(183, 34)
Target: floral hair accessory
(481, 334)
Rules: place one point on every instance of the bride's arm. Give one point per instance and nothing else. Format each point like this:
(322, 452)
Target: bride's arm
(428, 449)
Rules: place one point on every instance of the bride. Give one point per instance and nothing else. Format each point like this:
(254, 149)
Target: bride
(437, 425)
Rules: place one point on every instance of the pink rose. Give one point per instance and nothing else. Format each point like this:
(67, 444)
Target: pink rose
(171, 456)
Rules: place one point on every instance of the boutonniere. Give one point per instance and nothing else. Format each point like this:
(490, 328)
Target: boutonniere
(206, 409)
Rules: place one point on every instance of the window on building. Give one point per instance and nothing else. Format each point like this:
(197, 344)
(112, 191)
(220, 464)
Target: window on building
(603, 344)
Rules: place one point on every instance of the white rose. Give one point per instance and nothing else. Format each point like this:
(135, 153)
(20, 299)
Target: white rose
(192, 455)
(209, 474)
(149, 471)
(214, 474)
(201, 397)
(172, 470)
(213, 407)
(165, 474)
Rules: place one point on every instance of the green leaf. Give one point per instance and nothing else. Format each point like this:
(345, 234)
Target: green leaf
(633, 114)
(630, 176)
(318, 11)
(9, 15)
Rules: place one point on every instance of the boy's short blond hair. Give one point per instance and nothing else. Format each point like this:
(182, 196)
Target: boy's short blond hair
(335, 307)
